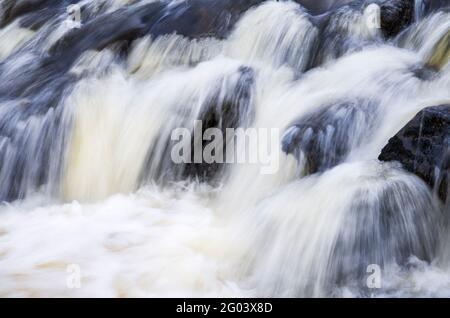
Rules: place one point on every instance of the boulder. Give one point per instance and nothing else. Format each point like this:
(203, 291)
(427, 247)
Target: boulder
(423, 148)
(396, 15)
(323, 139)
(339, 36)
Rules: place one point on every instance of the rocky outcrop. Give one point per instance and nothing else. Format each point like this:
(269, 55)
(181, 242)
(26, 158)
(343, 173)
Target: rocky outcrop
(192, 19)
(222, 111)
(342, 29)
(199, 18)
(423, 148)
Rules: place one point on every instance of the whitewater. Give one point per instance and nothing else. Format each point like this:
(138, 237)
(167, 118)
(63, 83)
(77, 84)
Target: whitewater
(86, 177)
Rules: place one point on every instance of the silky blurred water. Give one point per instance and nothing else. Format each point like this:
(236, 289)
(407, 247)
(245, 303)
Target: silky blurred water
(87, 181)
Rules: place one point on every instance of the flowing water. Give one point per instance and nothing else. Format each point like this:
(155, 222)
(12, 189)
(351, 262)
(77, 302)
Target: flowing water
(87, 179)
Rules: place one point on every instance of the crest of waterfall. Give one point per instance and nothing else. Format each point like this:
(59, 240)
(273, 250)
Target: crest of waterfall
(152, 56)
(86, 121)
(274, 33)
(426, 34)
(321, 90)
(130, 105)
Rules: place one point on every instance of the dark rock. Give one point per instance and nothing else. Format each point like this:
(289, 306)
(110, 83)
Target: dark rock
(203, 18)
(316, 7)
(336, 33)
(336, 36)
(423, 148)
(13, 9)
(424, 72)
(386, 224)
(430, 6)
(35, 20)
(323, 139)
(396, 15)
(222, 109)
(123, 24)
(194, 19)
(104, 30)
(190, 18)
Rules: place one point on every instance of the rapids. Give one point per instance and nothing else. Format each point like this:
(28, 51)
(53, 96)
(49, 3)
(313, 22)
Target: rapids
(86, 177)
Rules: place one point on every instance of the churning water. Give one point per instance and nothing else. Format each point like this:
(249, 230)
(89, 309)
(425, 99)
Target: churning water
(87, 178)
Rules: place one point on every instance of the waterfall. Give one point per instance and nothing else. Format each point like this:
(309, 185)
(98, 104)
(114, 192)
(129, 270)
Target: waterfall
(419, 8)
(88, 113)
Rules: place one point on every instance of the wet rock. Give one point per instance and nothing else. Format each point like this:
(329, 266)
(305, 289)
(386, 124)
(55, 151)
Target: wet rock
(396, 15)
(224, 108)
(423, 148)
(316, 7)
(430, 6)
(13, 9)
(107, 29)
(323, 139)
(35, 20)
(193, 19)
(123, 24)
(342, 29)
(230, 111)
(424, 72)
(203, 18)
(189, 18)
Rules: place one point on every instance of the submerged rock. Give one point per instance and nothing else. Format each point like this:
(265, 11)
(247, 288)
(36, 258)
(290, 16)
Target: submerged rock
(323, 139)
(342, 31)
(430, 6)
(202, 18)
(361, 214)
(228, 105)
(349, 27)
(423, 148)
(13, 9)
(194, 19)
(316, 7)
(389, 219)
